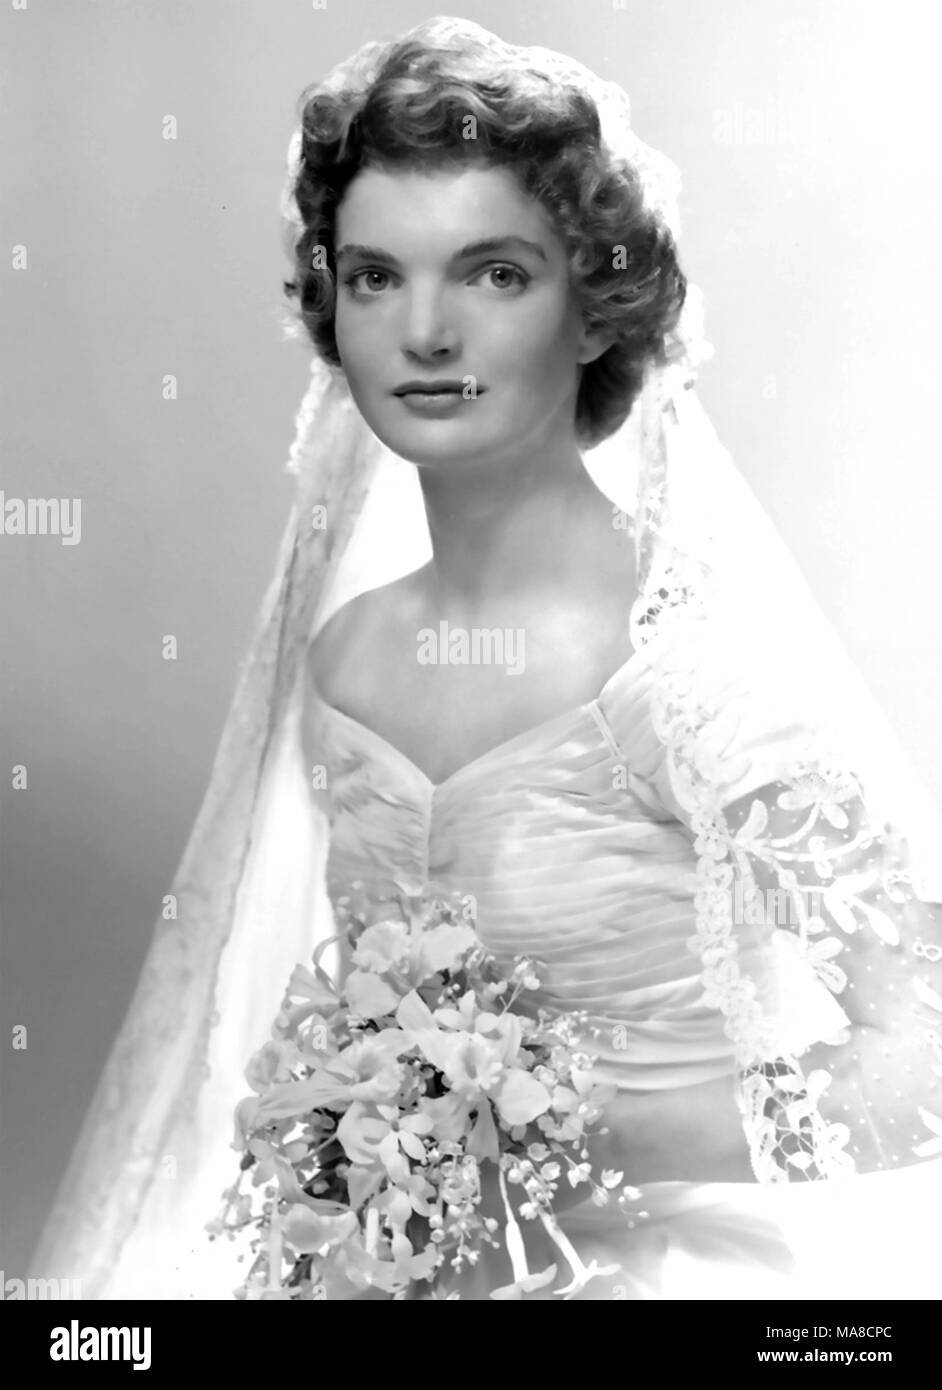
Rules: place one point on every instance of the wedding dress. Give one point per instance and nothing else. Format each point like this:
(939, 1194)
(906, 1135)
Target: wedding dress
(632, 844)
(576, 852)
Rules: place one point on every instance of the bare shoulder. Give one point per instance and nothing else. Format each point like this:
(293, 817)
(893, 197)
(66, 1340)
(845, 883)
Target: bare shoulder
(344, 654)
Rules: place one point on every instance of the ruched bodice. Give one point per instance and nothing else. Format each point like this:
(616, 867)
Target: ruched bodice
(564, 838)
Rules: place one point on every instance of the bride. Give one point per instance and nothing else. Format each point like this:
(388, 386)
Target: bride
(502, 661)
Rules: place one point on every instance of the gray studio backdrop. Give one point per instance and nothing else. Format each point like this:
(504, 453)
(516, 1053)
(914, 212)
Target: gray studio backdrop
(806, 134)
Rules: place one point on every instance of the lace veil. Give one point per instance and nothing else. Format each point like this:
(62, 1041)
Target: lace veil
(820, 873)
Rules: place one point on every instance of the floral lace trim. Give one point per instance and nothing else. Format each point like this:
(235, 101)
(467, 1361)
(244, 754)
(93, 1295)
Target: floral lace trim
(789, 1137)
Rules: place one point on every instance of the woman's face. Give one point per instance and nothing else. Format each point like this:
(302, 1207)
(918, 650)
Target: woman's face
(417, 302)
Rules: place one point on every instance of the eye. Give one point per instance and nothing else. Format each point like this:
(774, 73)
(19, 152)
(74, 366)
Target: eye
(351, 280)
(521, 279)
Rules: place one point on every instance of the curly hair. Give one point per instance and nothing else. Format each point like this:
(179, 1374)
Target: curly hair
(415, 112)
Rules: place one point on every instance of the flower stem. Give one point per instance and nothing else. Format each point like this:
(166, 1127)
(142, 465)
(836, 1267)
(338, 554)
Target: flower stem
(372, 1230)
(274, 1249)
(515, 1246)
(581, 1273)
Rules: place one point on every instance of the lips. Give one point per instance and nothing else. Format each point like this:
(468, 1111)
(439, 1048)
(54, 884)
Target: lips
(430, 388)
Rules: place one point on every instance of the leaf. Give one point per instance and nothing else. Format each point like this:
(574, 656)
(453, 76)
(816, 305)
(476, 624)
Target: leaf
(419, 1123)
(412, 1144)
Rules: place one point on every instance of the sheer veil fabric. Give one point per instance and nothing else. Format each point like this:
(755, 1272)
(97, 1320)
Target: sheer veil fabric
(835, 818)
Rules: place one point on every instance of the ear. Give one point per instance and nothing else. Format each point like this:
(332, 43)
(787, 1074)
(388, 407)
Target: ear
(594, 339)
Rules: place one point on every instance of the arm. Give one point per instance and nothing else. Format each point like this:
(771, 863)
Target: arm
(834, 887)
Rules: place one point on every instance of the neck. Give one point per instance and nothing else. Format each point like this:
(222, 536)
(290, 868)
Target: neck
(512, 531)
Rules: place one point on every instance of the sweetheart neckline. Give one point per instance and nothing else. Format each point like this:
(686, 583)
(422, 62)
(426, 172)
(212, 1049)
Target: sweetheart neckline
(498, 748)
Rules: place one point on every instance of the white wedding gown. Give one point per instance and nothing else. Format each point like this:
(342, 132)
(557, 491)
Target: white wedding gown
(576, 851)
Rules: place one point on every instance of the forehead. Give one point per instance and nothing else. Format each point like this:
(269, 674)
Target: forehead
(440, 209)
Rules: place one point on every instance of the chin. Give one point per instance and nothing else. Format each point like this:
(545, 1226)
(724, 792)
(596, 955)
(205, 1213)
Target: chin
(423, 455)
(426, 443)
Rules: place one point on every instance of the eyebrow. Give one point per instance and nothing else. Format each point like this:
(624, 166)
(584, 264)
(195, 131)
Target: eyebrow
(473, 248)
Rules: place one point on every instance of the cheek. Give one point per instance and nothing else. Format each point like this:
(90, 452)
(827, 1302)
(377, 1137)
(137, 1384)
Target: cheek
(359, 348)
(540, 344)
(346, 344)
(542, 365)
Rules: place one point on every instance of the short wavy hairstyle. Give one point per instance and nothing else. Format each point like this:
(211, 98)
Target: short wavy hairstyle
(413, 113)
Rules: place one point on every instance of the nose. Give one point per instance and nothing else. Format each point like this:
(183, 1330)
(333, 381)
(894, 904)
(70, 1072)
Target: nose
(429, 329)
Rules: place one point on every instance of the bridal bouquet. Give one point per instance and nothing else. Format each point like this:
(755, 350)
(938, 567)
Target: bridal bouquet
(378, 1107)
